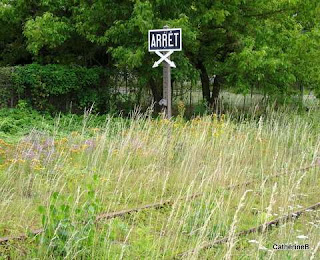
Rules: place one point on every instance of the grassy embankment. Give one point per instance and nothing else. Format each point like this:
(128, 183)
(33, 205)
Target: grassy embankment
(60, 173)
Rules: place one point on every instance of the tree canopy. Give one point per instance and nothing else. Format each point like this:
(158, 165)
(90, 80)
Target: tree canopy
(269, 45)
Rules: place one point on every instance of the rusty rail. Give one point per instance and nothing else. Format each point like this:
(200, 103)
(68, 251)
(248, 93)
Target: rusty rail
(259, 229)
(158, 205)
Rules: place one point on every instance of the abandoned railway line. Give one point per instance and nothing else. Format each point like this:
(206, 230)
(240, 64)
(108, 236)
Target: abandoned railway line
(259, 229)
(161, 204)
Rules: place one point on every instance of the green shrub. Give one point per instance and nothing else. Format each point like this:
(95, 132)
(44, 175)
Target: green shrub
(60, 88)
(56, 87)
(22, 119)
(6, 87)
(68, 229)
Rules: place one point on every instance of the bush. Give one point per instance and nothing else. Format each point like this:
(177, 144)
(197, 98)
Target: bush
(21, 120)
(55, 88)
(68, 229)
(61, 88)
(6, 87)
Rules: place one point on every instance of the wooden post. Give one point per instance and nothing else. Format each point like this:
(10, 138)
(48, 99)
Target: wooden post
(164, 42)
(167, 95)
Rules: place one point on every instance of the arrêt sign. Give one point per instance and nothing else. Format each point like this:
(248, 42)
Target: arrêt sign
(165, 40)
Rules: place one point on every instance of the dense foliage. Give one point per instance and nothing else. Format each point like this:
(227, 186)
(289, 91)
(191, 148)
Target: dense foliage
(70, 84)
(57, 87)
(269, 46)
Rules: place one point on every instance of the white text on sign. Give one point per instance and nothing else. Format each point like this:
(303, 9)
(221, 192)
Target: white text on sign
(165, 40)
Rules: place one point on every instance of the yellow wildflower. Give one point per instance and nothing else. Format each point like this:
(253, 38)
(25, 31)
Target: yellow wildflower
(94, 130)
(74, 134)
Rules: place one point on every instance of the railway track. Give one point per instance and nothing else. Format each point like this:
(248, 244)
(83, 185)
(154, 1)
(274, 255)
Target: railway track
(158, 205)
(259, 229)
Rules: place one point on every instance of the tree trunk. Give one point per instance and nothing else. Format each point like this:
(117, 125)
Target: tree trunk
(211, 99)
(205, 82)
(301, 92)
(156, 93)
(216, 92)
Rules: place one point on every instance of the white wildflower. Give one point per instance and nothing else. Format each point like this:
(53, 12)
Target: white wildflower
(302, 237)
(262, 248)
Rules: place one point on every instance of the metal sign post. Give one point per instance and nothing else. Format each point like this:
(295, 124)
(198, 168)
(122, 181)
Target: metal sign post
(164, 42)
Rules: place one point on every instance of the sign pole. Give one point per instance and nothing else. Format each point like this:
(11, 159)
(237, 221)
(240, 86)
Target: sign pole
(167, 85)
(165, 42)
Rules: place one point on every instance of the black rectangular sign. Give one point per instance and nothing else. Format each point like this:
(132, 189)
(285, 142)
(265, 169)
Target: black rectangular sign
(165, 40)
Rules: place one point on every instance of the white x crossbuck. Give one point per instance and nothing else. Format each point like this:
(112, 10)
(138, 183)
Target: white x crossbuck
(164, 57)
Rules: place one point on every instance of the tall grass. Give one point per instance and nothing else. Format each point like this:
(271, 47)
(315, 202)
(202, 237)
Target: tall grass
(61, 180)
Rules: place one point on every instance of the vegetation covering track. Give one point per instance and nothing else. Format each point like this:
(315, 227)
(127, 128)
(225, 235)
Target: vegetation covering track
(161, 204)
(90, 167)
(5, 240)
(259, 229)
